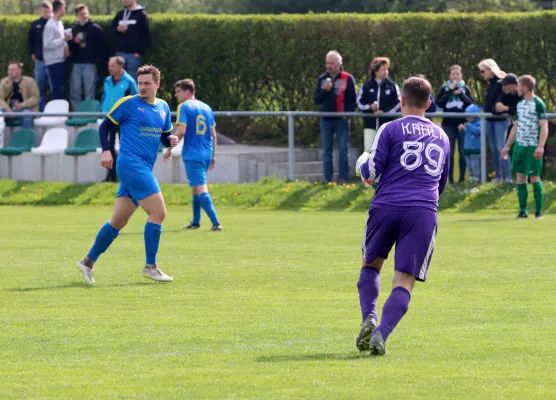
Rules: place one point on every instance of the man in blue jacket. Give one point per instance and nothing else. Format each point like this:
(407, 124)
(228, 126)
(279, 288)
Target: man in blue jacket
(119, 84)
(335, 92)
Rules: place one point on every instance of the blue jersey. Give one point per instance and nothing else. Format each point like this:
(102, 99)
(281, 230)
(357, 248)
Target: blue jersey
(199, 119)
(141, 126)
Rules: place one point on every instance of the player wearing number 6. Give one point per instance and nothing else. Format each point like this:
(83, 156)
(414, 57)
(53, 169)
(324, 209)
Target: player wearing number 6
(195, 124)
(408, 162)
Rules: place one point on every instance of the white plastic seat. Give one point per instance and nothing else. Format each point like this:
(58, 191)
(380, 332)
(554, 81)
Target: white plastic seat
(176, 151)
(53, 106)
(55, 140)
(2, 128)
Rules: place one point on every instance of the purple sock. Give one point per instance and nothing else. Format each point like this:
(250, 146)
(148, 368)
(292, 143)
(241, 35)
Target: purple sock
(394, 309)
(369, 288)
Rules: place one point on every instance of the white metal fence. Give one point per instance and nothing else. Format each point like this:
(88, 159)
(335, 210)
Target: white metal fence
(291, 115)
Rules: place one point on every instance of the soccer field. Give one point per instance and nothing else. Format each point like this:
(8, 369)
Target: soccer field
(268, 308)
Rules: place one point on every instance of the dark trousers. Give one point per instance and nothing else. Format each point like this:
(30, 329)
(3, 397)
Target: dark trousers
(57, 75)
(112, 176)
(456, 136)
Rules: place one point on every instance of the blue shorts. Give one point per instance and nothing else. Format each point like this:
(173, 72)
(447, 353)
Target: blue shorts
(196, 172)
(412, 230)
(136, 182)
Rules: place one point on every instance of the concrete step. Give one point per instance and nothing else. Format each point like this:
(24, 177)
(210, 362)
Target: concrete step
(307, 167)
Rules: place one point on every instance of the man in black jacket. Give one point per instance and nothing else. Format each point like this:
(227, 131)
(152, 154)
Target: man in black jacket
(335, 92)
(508, 99)
(455, 96)
(34, 44)
(132, 35)
(87, 49)
(378, 95)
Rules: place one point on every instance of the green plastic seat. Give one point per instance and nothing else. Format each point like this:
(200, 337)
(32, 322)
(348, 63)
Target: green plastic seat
(87, 142)
(13, 122)
(22, 142)
(84, 106)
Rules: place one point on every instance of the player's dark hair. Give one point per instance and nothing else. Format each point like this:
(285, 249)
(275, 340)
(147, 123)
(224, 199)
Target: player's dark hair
(57, 5)
(185, 85)
(46, 4)
(528, 81)
(149, 69)
(14, 62)
(377, 63)
(417, 92)
(80, 7)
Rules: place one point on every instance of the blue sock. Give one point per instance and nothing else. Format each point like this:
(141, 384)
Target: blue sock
(206, 203)
(152, 241)
(104, 239)
(196, 210)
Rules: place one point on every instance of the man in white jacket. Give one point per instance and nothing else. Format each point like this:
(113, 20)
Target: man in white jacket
(55, 49)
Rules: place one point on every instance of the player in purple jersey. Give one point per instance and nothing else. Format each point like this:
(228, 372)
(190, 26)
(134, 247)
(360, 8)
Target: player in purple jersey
(408, 163)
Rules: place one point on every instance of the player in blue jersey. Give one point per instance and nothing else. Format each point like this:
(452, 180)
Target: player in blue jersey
(145, 122)
(408, 162)
(195, 124)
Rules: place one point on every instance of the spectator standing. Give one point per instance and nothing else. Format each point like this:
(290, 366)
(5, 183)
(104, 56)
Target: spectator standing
(56, 50)
(472, 143)
(495, 128)
(335, 92)
(87, 49)
(132, 35)
(378, 95)
(34, 44)
(508, 99)
(455, 96)
(119, 84)
(19, 93)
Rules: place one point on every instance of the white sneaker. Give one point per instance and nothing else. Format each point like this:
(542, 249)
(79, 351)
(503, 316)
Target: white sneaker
(509, 180)
(88, 273)
(154, 273)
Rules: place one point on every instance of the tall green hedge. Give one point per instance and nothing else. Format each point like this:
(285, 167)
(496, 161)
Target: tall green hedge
(272, 62)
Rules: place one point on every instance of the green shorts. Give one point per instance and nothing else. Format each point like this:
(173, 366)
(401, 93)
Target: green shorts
(523, 161)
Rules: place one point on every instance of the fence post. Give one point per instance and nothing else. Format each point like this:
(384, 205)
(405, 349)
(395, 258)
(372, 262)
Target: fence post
(483, 150)
(291, 156)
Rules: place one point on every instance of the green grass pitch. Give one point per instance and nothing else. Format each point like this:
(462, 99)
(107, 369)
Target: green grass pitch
(268, 309)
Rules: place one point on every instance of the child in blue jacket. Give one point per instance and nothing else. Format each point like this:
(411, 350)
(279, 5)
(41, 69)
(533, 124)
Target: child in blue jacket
(472, 144)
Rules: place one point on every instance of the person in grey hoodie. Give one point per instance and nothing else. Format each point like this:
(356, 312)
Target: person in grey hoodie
(56, 50)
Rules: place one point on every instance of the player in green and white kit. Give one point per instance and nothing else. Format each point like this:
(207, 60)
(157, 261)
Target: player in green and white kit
(530, 131)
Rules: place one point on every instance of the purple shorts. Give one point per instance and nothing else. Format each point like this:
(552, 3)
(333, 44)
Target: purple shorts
(412, 230)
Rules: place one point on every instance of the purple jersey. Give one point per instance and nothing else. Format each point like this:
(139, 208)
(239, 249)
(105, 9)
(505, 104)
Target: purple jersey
(409, 162)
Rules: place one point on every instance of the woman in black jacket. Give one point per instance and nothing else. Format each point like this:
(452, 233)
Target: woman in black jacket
(378, 95)
(454, 96)
(495, 128)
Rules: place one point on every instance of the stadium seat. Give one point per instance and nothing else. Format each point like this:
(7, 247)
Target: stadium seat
(87, 142)
(21, 142)
(2, 128)
(53, 106)
(85, 106)
(55, 141)
(176, 151)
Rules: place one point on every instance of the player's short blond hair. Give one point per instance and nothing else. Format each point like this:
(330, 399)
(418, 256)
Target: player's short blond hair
(528, 81)
(149, 69)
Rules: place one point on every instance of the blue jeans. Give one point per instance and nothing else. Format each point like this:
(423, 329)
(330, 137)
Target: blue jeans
(496, 135)
(57, 74)
(41, 77)
(456, 136)
(328, 128)
(83, 79)
(474, 165)
(26, 122)
(132, 63)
